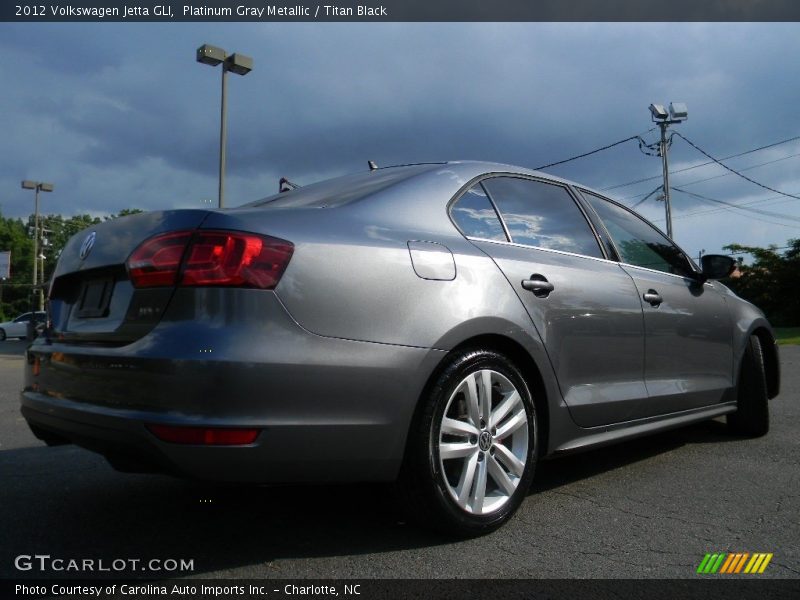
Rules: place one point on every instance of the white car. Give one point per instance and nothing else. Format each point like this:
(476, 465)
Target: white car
(19, 326)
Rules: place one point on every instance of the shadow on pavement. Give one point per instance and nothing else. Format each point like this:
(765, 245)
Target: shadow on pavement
(67, 502)
(13, 347)
(568, 469)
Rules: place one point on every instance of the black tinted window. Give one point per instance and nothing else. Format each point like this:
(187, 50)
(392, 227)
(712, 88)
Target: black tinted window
(638, 242)
(475, 216)
(543, 215)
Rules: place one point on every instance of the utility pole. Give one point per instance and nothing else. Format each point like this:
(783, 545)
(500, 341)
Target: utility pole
(38, 186)
(43, 242)
(665, 166)
(677, 114)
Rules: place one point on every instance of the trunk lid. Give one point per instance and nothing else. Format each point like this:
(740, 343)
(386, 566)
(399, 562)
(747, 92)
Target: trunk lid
(91, 298)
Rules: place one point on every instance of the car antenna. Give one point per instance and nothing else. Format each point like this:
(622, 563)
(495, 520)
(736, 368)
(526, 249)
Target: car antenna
(284, 185)
(372, 165)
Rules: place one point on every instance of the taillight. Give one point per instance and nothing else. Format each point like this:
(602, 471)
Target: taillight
(237, 259)
(156, 262)
(210, 258)
(205, 436)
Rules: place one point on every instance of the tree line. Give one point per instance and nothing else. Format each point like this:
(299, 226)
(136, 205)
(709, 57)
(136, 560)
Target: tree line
(16, 236)
(771, 281)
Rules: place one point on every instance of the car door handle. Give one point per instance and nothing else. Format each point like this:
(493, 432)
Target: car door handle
(653, 297)
(539, 285)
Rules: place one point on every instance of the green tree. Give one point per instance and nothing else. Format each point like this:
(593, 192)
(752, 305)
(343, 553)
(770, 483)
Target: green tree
(58, 231)
(16, 290)
(16, 235)
(771, 282)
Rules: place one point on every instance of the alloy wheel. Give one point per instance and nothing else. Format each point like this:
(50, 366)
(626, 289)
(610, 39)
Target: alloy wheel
(483, 442)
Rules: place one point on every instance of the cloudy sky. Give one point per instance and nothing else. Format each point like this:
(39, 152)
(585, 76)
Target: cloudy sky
(121, 116)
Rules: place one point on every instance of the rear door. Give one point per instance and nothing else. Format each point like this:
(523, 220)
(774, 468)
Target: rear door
(689, 354)
(585, 308)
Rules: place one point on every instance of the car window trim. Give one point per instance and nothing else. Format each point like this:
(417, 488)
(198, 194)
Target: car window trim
(683, 277)
(688, 258)
(485, 176)
(546, 181)
(460, 194)
(496, 210)
(599, 226)
(543, 249)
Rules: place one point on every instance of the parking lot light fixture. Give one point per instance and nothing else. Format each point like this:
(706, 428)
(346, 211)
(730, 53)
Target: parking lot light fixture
(236, 63)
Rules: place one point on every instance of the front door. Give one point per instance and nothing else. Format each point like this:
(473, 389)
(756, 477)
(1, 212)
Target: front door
(689, 353)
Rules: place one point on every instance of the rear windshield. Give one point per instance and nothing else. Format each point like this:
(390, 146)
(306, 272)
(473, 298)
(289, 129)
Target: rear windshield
(342, 190)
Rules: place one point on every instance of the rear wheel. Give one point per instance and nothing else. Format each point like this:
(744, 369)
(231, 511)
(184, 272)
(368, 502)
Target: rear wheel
(751, 418)
(473, 446)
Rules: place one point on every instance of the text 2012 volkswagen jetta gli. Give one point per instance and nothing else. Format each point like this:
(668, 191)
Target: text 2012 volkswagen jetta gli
(445, 325)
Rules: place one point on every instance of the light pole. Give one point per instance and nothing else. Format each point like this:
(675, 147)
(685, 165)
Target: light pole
(38, 186)
(236, 63)
(677, 114)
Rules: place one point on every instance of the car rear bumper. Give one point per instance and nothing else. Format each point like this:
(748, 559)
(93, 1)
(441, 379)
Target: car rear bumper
(326, 409)
(298, 452)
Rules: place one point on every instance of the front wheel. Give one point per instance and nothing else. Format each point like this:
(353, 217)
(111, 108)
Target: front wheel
(751, 418)
(473, 446)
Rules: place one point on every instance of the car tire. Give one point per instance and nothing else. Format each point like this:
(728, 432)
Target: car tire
(751, 418)
(2, 335)
(463, 473)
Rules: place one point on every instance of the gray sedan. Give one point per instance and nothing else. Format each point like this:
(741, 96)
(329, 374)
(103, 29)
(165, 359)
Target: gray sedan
(19, 327)
(444, 326)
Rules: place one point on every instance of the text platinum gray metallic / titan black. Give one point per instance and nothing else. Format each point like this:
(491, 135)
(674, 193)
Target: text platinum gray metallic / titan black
(443, 325)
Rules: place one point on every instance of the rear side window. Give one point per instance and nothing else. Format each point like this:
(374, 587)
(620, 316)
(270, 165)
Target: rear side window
(542, 215)
(638, 242)
(475, 216)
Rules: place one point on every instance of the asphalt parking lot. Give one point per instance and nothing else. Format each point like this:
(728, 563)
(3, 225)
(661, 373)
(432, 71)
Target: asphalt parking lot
(650, 508)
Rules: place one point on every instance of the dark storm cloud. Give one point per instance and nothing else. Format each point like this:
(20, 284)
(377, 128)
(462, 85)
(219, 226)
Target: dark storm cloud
(63, 47)
(123, 116)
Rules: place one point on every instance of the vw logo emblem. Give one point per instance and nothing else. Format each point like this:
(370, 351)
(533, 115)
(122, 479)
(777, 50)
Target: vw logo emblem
(485, 441)
(87, 245)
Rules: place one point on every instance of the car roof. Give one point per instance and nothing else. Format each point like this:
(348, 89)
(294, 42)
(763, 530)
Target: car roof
(349, 188)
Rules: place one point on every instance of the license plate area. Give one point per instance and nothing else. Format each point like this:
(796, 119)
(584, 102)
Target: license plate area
(95, 298)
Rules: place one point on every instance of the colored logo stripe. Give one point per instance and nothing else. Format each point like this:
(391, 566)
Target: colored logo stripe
(734, 562)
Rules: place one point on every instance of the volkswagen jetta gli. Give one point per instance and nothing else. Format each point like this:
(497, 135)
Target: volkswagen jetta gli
(442, 325)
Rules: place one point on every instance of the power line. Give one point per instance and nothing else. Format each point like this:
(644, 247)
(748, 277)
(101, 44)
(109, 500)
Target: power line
(769, 162)
(730, 205)
(739, 206)
(660, 187)
(711, 162)
(759, 219)
(734, 171)
(585, 154)
(696, 181)
(748, 203)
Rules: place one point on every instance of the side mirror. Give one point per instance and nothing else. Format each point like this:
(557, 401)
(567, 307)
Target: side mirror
(717, 266)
